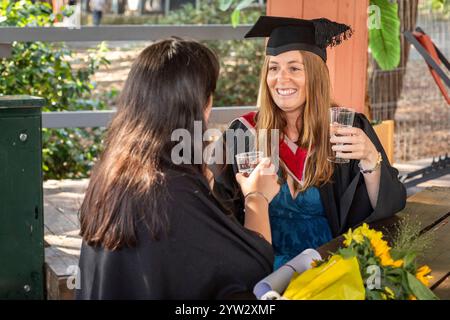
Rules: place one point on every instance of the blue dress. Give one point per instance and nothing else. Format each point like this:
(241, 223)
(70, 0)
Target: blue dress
(297, 224)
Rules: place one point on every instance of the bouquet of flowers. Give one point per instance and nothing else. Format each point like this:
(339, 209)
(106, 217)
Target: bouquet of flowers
(368, 268)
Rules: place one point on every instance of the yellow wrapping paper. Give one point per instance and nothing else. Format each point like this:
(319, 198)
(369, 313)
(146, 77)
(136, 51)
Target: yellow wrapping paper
(338, 279)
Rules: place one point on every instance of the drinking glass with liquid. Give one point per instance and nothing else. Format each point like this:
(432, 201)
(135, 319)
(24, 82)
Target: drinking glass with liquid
(247, 161)
(340, 117)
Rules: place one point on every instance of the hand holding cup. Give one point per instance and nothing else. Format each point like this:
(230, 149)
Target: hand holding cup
(262, 179)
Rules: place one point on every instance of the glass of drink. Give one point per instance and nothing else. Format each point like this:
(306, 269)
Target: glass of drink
(339, 118)
(247, 161)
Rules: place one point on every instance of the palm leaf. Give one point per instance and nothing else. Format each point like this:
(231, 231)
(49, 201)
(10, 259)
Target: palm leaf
(236, 14)
(224, 5)
(384, 41)
(235, 17)
(244, 4)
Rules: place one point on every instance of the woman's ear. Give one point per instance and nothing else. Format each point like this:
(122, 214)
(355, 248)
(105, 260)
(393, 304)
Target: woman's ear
(208, 108)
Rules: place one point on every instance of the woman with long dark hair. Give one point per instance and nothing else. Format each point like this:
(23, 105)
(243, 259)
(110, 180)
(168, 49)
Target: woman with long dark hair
(151, 227)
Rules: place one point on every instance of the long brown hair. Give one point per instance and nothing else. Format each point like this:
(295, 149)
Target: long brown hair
(314, 120)
(167, 88)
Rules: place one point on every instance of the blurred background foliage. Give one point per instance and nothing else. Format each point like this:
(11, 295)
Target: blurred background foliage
(48, 70)
(45, 70)
(240, 61)
(437, 6)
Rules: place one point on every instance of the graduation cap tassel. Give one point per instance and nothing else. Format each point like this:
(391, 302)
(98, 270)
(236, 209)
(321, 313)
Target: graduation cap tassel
(329, 33)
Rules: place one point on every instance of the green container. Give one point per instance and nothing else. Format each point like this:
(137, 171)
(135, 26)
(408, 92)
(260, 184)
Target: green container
(21, 209)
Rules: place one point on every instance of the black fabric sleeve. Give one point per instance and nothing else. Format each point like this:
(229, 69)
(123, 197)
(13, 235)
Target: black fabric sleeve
(355, 206)
(218, 257)
(226, 187)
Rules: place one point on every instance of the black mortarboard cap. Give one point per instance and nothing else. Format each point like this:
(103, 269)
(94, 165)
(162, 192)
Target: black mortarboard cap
(286, 34)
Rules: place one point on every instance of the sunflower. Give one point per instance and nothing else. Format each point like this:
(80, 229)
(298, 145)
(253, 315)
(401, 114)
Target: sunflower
(382, 251)
(389, 292)
(423, 275)
(353, 236)
(360, 233)
(369, 233)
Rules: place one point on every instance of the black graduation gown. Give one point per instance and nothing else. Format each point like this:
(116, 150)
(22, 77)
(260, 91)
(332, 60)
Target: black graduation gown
(207, 255)
(345, 199)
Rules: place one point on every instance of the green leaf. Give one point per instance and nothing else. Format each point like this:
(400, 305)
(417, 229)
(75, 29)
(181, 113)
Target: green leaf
(384, 37)
(372, 295)
(409, 259)
(347, 253)
(235, 16)
(224, 5)
(419, 290)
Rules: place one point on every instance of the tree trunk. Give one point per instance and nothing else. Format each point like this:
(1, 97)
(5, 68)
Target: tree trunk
(385, 87)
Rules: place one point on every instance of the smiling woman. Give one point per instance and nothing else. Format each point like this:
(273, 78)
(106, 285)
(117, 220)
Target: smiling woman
(286, 80)
(318, 199)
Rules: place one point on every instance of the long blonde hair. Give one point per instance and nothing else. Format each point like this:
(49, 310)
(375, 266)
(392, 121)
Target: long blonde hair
(314, 120)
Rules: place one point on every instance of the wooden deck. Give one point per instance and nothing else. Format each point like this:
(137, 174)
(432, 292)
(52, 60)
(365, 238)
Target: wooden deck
(62, 200)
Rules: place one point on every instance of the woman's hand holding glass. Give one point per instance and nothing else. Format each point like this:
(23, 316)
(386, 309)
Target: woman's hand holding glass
(263, 179)
(353, 143)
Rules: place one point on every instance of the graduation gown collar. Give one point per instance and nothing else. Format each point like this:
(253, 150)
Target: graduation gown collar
(293, 157)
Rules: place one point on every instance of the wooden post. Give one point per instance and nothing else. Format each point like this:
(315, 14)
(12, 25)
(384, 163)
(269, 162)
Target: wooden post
(348, 62)
(115, 6)
(5, 50)
(166, 7)
(385, 132)
(141, 8)
(57, 5)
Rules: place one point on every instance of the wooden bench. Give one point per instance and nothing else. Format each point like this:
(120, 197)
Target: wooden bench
(62, 202)
(62, 253)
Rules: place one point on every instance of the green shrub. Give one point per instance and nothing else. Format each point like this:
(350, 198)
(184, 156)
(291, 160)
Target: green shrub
(45, 70)
(240, 60)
